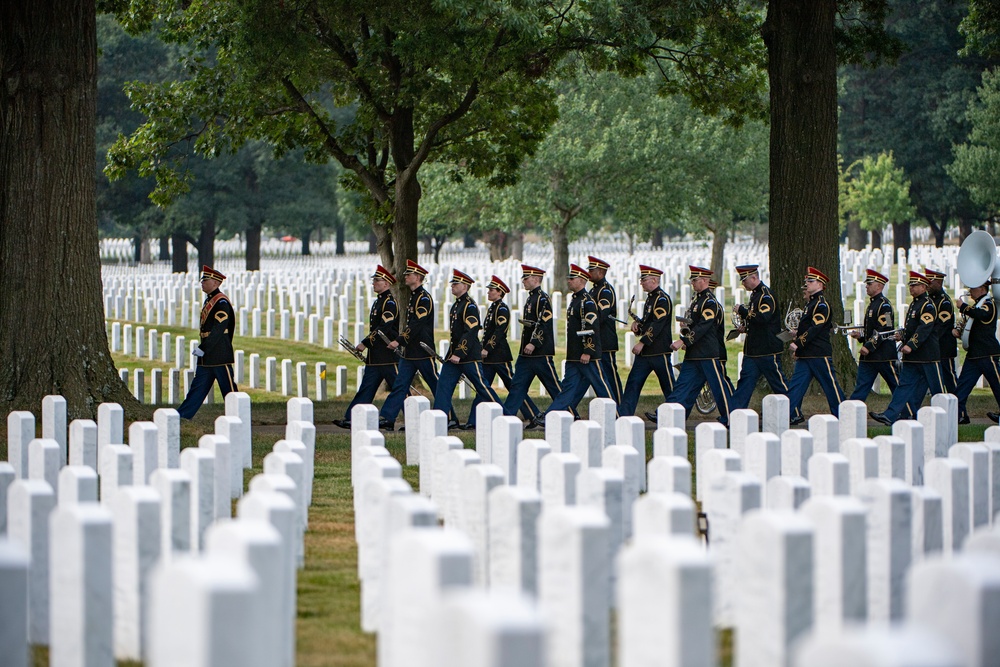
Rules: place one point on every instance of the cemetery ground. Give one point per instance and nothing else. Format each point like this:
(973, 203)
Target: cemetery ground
(328, 625)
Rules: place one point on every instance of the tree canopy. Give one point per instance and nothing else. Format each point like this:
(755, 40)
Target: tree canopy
(977, 161)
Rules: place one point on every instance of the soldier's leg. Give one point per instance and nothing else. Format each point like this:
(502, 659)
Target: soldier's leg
(528, 408)
(827, 377)
(971, 372)
(749, 374)
(489, 372)
(948, 379)
(887, 370)
(934, 379)
(370, 381)
(200, 386)
(400, 390)
(446, 381)
(571, 384)
(798, 385)
(224, 376)
(518, 388)
(991, 371)
(641, 368)
(664, 373)
(688, 386)
(484, 391)
(594, 373)
(867, 372)
(899, 405)
(609, 367)
(718, 383)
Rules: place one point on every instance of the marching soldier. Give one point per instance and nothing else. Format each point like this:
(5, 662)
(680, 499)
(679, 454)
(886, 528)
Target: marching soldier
(703, 350)
(762, 347)
(607, 306)
(943, 328)
(465, 354)
(419, 328)
(651, 352)
(583, 348)
(878, 356)
(537, 345)
(380, 361)
(215, 352)
(982, 358)
(921, 354)
(813, 351)
(496, 351)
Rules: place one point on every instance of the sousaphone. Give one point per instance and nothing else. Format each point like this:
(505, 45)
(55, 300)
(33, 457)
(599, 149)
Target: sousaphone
(977, 262)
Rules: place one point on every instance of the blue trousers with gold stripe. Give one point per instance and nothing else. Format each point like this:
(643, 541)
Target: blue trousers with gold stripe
(609, 367)
(868, 371)
(820, 368)
(695, 373)
(753, 367)
(408, 369)
(641, 368)
(528, 409)
(949, 380)
(204, 378)
(370, 382)
(526, 370)
(580, 377)
(450, 375)
(914, 381)
(972, 370)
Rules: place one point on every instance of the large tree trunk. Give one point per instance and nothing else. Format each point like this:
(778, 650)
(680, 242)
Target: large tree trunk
(179, 262)
(164, 248)
(965, 228)
(253, 246)
(517, 246)
(339, 231)
(901, 236)
(876, 239)
(306, 236)
(137, 247)
(718, 250)
(802, 70)
(52, 331)
(657, 239)
(939, 230)
(856, 237)
(206, 241)
(560, 255)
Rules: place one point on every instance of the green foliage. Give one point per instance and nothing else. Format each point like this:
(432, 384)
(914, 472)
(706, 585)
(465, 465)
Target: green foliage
(982, 28)
(875, 193)
(977, 161)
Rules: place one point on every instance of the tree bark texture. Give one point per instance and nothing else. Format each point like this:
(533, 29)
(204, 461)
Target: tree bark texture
(560, 255)
(52, 331)
(856, 237)
(164, 248)
(718, 250)
(253, 246)
(802, 70)
(179, 259)
(206, 241)
(901, 235)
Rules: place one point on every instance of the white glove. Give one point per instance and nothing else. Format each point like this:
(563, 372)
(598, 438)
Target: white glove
(198, 352)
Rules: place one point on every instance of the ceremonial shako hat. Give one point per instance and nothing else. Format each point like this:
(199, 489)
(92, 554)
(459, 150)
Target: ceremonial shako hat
(595, 263)
(413, 267)
(712, 284)
(496, 283)
(700, 272)
(382, 273)
(872, 276)
(933, 274)
(578, 272)
(917, 279)
(648, 271)
(459, 277)
(746, 271)
(208, 273)
(812, 273)
(531, 271)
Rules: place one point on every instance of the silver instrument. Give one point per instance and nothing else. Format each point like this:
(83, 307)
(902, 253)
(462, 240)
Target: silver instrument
(792, 317)
(977, 262)
(739, 323)
(846, 330)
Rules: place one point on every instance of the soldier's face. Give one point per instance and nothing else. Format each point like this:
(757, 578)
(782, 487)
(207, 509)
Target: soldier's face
(750, 282)
(977, 293)
(699, 284)
(916, 289)
(597, 275)
(813, 286)
(380, 285)
(413, 280)
(874, 288)
(649, 283)
(531, 282)
(458, 289)
(209, 285)
(936, 286)
(493, 294)
(576, 283)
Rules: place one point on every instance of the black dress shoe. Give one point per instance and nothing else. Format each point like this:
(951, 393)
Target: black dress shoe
(467, 427)
(537, 422)
(880, 418)
(342, 423)
(651, 416)
(994, 417)
(386, 425)
(452, 424)
(964, 419)
(795, 421)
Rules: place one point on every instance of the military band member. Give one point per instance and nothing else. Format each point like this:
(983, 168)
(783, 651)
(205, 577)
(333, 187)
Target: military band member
(380, 361)
(813, 351)
(604, 295)
(761, 348)
(583, 348)
(465, 352)
(878, 357)
(418, 328)
(703, 350)
(537, 344)
(943, 328)
(921, 354)
(982, 359)
(651, 352)
(215, 351)
(497, 356)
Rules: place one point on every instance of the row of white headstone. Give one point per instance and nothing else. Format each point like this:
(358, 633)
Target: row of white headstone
(809, 533)
(113, 551)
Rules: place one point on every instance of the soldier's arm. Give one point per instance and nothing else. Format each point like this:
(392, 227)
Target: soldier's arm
(983, 314)
(820, 319)
(470, 325)
(655, 321)
(589, 321)
(222, 320)
(544, 310)
(766, 311)
(706, 324)
(387, 323)
(501, 324)
(925, 328)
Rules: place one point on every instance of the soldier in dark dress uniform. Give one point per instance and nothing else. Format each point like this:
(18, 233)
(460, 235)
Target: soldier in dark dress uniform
(537, 344)
(419, 328)
(583, 347)
(215, 352)
(813, 351)
(606, 299)
(497, 356)
(878, 357)
(982, 357)
(921, 354)
(654, 333)
(465, 354)
(761, 348)
(943, 328)
(703, 350)
(380, 361)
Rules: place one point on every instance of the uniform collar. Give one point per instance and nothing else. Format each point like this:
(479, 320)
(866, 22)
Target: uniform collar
(535, 290)
(813, 297)
(213, 293)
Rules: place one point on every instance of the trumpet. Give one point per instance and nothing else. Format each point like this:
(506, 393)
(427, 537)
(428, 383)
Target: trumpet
(346, 344)
(846, 330)
(879, 336)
